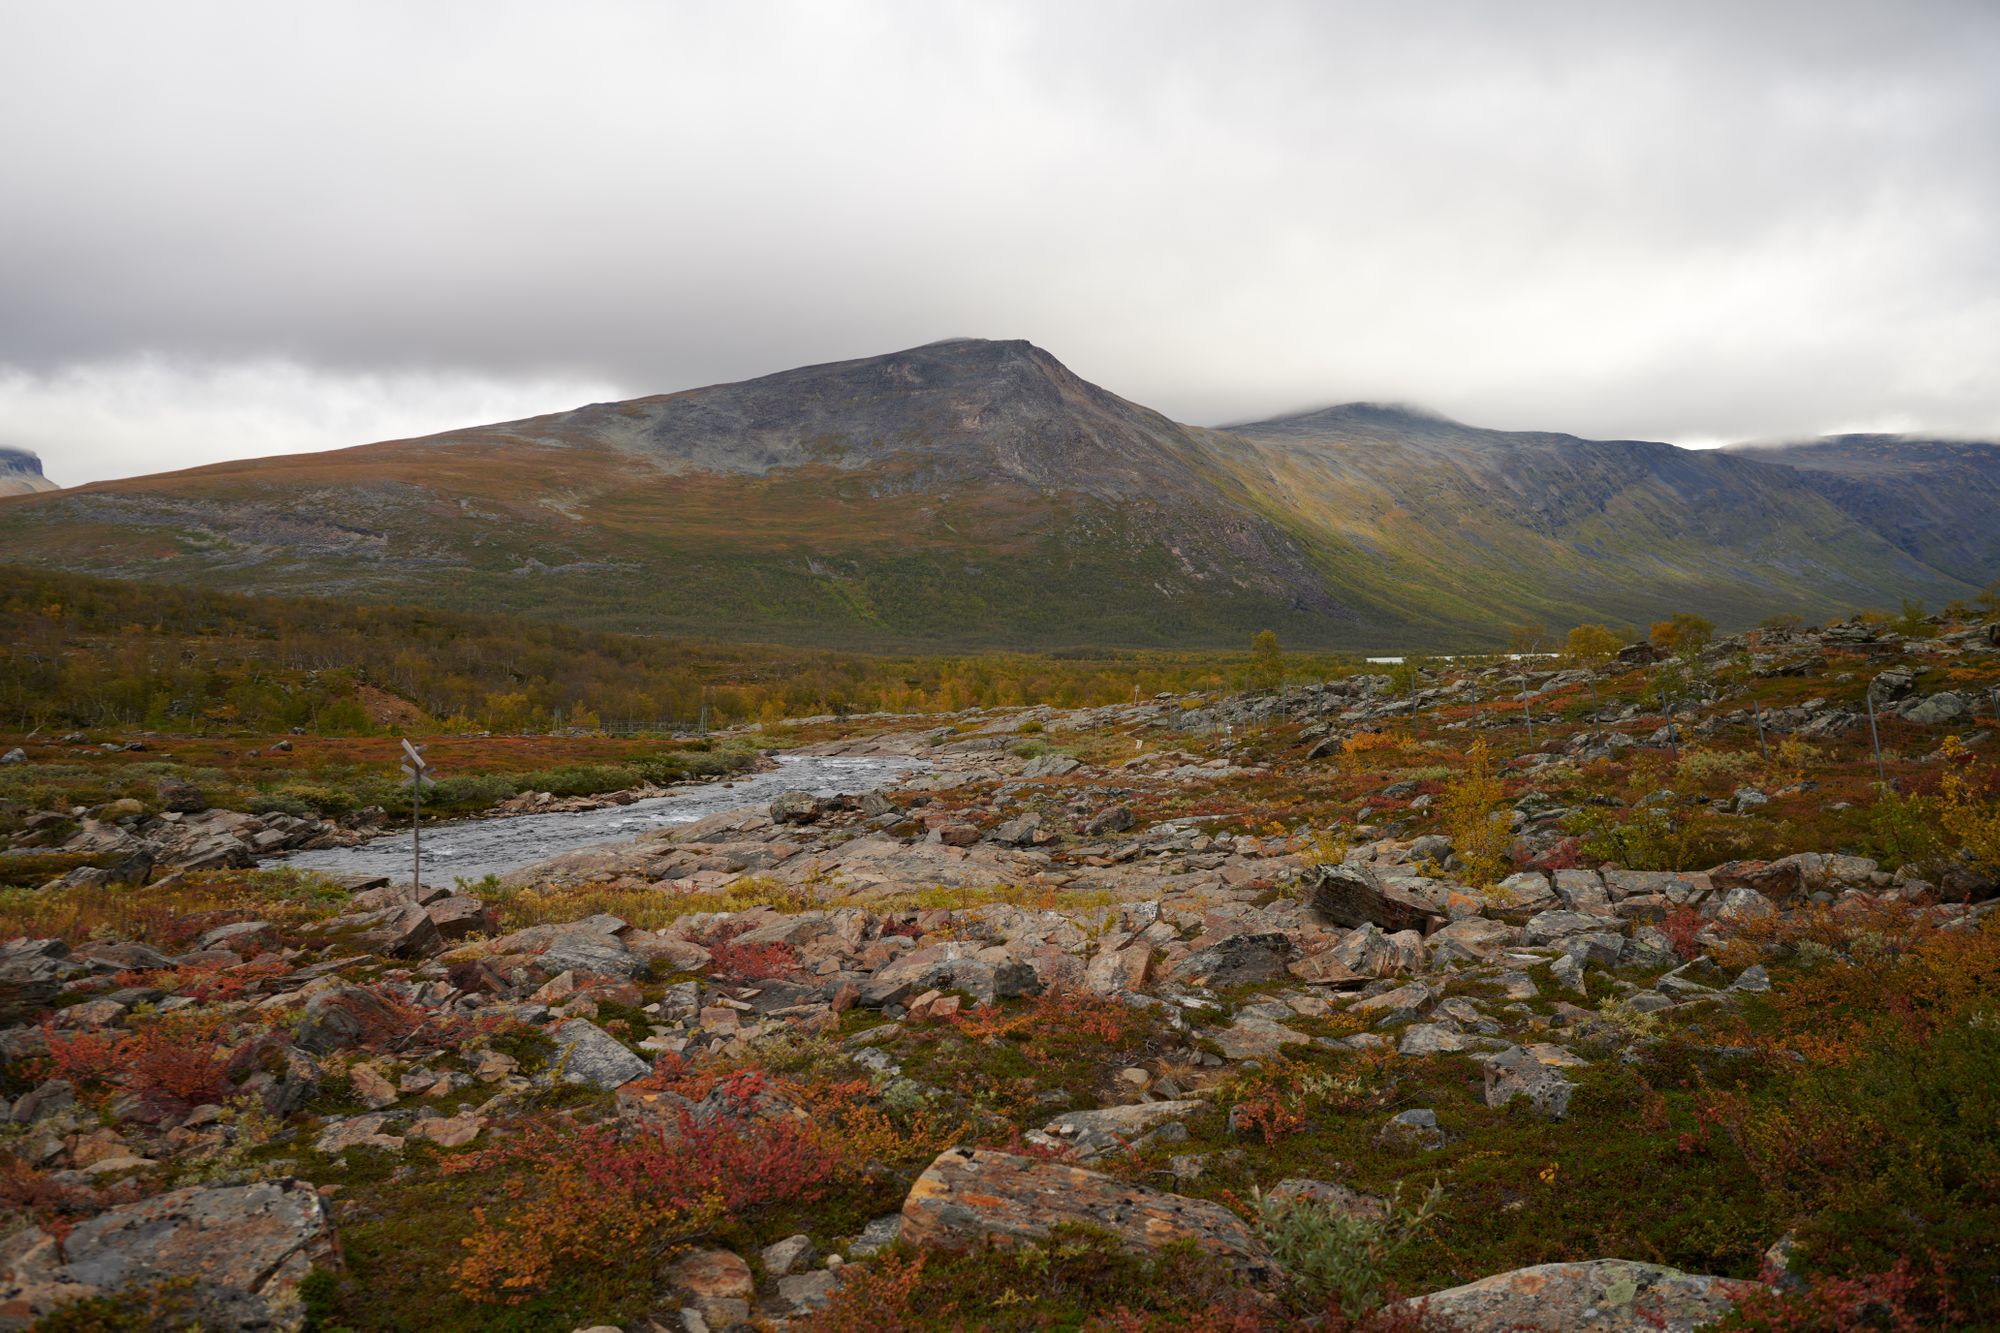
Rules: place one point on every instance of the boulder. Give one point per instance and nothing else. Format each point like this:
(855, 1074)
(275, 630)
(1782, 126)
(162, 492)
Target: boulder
(181, 797)
(252, 1243)
(1019, 831)
(1049, 766)
(592, 953)
(970, 1197)
(1352, 896)
(1325, 968)
(401, 931)
(1549, 927)
(1596, 1296)
(1334, 1197)
(1239, 960)
(1114, 820)
(344, 1017)
(1517, 1073)
(1935, 711)
(1115, 970)
(1471, 938)
(587, 1054)
(1367, 952)
(795, 807)
(459, 915)
(717, 1283)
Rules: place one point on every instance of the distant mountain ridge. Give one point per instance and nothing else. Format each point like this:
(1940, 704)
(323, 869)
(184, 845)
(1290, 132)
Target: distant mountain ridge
(1936, 499)
(21, 473)
(974, 493)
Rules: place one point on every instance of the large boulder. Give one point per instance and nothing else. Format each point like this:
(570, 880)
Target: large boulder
(181, 797)
(970, 1197)
(346, 1016)
(1596, 1296)
(1352, 896)
(1239, 960)
(245, 1244)
(795, 807)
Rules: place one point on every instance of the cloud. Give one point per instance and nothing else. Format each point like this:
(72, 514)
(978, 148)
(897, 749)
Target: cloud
(149, 414)
(1680, 220)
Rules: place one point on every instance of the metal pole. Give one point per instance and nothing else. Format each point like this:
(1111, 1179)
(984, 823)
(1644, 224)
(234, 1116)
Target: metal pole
(1527, 708)
(416, 837)
(1874, 736)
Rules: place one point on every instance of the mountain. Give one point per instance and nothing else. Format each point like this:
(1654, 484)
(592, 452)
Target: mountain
(972, 494)
(21, 473)
(1937, 500)
(1576, 529)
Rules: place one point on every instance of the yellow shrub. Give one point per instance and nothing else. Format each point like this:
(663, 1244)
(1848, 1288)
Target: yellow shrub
(1470, 810)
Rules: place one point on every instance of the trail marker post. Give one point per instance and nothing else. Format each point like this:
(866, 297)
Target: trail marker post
(1757, 714)
(417, 776)
(1874, 736)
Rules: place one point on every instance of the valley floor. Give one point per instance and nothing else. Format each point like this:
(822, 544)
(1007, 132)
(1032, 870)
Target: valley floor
(1637, 994)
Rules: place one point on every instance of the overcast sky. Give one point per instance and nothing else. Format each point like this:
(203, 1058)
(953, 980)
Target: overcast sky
(246, 228)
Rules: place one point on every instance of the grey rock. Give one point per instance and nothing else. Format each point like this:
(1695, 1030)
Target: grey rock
(1418, 1127)
(879, 1234)
(588, 1054)
(789, 1255)
(795, 807)
(1596, 1296)
(593, 953)
(1049, 766)
(1239, 960)
(1517, 1073)
(250, 1243)
(1117, 819)
(808, 1291)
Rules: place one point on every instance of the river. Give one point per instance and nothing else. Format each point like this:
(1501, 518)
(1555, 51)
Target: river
(471, 848)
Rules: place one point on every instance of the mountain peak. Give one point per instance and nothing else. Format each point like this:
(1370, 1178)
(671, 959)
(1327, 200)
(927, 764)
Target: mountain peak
(21, 472)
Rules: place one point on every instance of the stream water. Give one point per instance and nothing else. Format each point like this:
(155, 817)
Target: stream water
(469, 849)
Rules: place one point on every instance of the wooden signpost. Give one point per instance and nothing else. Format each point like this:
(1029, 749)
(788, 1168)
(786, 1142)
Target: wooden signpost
(417, 776)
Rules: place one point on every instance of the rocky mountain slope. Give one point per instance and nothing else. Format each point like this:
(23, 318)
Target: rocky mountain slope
(1937, 500)
(973, 493)
(21, 473)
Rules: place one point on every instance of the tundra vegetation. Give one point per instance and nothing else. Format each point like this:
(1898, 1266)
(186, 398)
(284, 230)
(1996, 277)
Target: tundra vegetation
(1338, 1002)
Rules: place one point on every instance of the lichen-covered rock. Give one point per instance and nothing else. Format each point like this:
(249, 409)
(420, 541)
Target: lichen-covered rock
(1239, 960)
(586, 1053)
(1352, 896)
(968, 1197)
(1596, 1296)
(260, 1240)
(1518, 1073)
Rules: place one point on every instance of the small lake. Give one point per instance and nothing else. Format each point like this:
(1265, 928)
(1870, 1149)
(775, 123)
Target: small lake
(472, 848)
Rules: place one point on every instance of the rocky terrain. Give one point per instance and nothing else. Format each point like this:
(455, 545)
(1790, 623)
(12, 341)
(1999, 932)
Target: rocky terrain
(976, 493)
(1646, 992)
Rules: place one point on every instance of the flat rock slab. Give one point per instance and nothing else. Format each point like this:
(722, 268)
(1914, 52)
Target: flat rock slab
(260, 1240)
(589, 1054)
(1597, 1296)
(969, 1196)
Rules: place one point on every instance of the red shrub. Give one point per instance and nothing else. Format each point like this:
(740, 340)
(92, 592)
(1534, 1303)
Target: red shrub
(753, 962)
(172, 1064)
(1681, 925)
